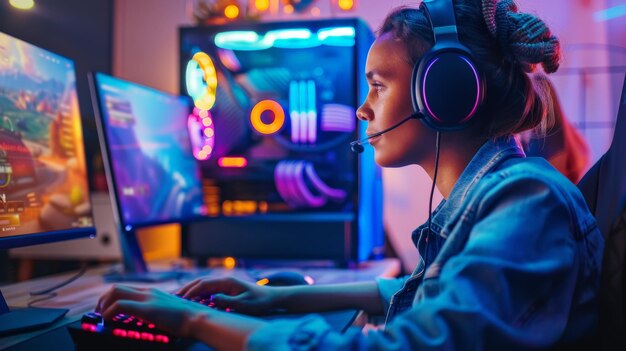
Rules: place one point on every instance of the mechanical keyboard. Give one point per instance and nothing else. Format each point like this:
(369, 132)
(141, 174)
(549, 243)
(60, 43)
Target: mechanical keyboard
(126, 332)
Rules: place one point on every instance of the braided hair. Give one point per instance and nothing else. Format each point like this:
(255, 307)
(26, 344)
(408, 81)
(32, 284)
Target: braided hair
(506, 44)
(525, 38)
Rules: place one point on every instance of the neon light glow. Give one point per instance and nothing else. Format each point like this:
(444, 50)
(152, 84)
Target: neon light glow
(299, 185)
(288, 34)
(303, 111)
(241, 40)
(232, 162)
(345, 5)
(230, 262)
(89, 327)
(285, 38)
(239, 207)
(201, 134)
(302, 97)
(294, 114)
(162, 338)
(267, 128)
(337, 32)
(610, 13)
(231, 11)
(262, 5)
(22, 4)
(338, 118)
(311, 114)
(478, 92)
(229, 60)
(292, 38)
(201, 81)
(424, 90)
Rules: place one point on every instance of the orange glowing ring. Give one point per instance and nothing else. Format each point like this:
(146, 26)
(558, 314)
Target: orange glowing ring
(207, 99)
(262, 127)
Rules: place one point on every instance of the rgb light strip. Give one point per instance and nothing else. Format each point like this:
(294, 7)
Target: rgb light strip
(290, 38)
(299, 185)
(338, 118)
(303, 112)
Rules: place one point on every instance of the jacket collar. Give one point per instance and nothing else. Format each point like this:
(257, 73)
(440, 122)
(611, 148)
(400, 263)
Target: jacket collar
(490, 155)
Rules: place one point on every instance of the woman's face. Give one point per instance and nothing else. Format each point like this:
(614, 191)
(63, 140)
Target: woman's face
(388, 101)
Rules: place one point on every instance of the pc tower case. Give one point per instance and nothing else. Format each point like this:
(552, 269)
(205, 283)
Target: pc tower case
(274, 114)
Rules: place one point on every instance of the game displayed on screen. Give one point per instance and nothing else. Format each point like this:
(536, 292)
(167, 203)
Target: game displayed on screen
(274, 114)
(43, 177)
(156, 177)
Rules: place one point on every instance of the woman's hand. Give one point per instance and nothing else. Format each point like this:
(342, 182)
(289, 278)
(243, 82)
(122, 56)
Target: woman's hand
(169, 312)
(241, 296)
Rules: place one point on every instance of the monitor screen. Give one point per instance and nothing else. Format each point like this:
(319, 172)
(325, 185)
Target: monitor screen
(44, 194)
(149, 161)
(274, 115)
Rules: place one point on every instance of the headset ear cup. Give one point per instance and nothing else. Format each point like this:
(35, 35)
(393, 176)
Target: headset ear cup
(446, 86)
(446, 89)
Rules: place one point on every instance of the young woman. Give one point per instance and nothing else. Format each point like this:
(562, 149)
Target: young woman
(509, 260)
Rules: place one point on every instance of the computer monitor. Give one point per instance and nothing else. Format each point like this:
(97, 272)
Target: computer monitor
(44, 193)
(274, 115)
(152, 175)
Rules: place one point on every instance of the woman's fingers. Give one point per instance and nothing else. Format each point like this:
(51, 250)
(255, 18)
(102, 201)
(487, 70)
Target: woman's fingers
(212, 286)
(120, 292)
(125, 306)
(183, 291)
(223, 301)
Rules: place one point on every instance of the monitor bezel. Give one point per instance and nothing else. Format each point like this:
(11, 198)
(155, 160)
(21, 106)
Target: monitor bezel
(107, 161)
(10, 242)
(50, 236)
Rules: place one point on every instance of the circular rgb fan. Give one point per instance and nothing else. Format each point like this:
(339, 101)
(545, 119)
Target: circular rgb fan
(201, 134)
(201, 80)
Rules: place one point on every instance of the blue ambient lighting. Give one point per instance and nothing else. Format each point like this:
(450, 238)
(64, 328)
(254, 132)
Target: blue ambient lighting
(610, 13)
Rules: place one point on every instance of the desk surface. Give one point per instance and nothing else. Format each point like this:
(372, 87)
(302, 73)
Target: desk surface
(82, 295)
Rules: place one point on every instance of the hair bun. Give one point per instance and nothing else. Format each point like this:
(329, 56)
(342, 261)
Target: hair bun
(523, 37)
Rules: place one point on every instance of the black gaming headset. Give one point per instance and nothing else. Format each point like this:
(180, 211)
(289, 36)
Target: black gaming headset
(446, 87)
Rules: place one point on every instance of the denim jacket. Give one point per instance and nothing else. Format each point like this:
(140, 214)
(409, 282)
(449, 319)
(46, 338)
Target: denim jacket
(512, 261)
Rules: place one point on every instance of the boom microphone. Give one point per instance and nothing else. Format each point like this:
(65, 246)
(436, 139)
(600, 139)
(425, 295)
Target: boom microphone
(356, 146)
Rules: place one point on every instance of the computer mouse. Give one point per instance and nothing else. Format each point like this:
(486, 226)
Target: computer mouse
(285, 278)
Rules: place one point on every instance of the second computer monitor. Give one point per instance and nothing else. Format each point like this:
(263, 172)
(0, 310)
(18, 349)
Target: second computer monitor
(152, 172)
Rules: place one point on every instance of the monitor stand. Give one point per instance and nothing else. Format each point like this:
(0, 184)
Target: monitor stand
(25, 319)
(135, 268)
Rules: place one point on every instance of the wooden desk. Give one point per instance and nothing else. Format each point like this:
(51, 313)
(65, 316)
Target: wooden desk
(82, 295)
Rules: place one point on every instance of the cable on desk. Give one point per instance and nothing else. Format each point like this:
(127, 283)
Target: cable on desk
(47, 297)
(49, 292)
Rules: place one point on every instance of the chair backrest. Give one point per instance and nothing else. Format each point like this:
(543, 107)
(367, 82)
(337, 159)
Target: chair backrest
(604, 188)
